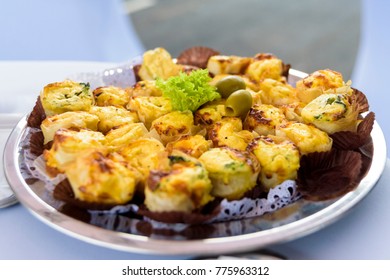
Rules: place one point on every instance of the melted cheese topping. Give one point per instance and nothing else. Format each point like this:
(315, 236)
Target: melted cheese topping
(172, 126)
(96, 178)
(66, 96)
(331, 113)
(279, 160)
(264, 67)
(111, 96)
(228, 132)
(184, 187)
(158, 63)
(307, 138)
(277, 93)
(69, 144)
(221, 64)
(232, 172)
(317, 83)
(149, 108)
(111, 117)
(51, 124)
(264, 119)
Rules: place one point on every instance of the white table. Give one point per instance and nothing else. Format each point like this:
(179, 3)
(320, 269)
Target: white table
(362, 234)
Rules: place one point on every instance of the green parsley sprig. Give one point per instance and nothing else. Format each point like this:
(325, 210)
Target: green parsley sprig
(188, 91)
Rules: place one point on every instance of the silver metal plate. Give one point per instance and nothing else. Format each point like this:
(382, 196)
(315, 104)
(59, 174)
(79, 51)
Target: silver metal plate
(128, 233)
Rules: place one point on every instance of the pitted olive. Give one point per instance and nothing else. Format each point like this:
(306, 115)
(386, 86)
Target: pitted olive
(238, 103)
(229, 84)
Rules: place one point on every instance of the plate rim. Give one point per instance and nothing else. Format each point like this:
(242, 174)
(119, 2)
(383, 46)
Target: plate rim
(209, 246)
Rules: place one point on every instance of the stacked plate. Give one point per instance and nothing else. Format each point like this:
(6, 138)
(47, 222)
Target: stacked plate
(7, 122)
(7, 197)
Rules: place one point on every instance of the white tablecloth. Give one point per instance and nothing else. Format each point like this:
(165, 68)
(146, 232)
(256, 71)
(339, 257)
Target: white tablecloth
(361, 234)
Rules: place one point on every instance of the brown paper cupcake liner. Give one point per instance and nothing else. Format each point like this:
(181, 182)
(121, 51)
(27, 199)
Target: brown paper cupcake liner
(257, 192)
(285, 70)
(196, 56)
(361, 100)
(36, 143)
(37, 115)
(366, 151)
(348, 140)
(136, 69)
(80, 214)
(329, 175)
(174, 217)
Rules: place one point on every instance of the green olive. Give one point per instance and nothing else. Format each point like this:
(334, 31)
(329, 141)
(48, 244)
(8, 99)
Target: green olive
(238, 103)
(229, 84)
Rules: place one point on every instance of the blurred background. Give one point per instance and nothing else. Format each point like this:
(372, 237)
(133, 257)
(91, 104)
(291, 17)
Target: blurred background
(308, 34)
